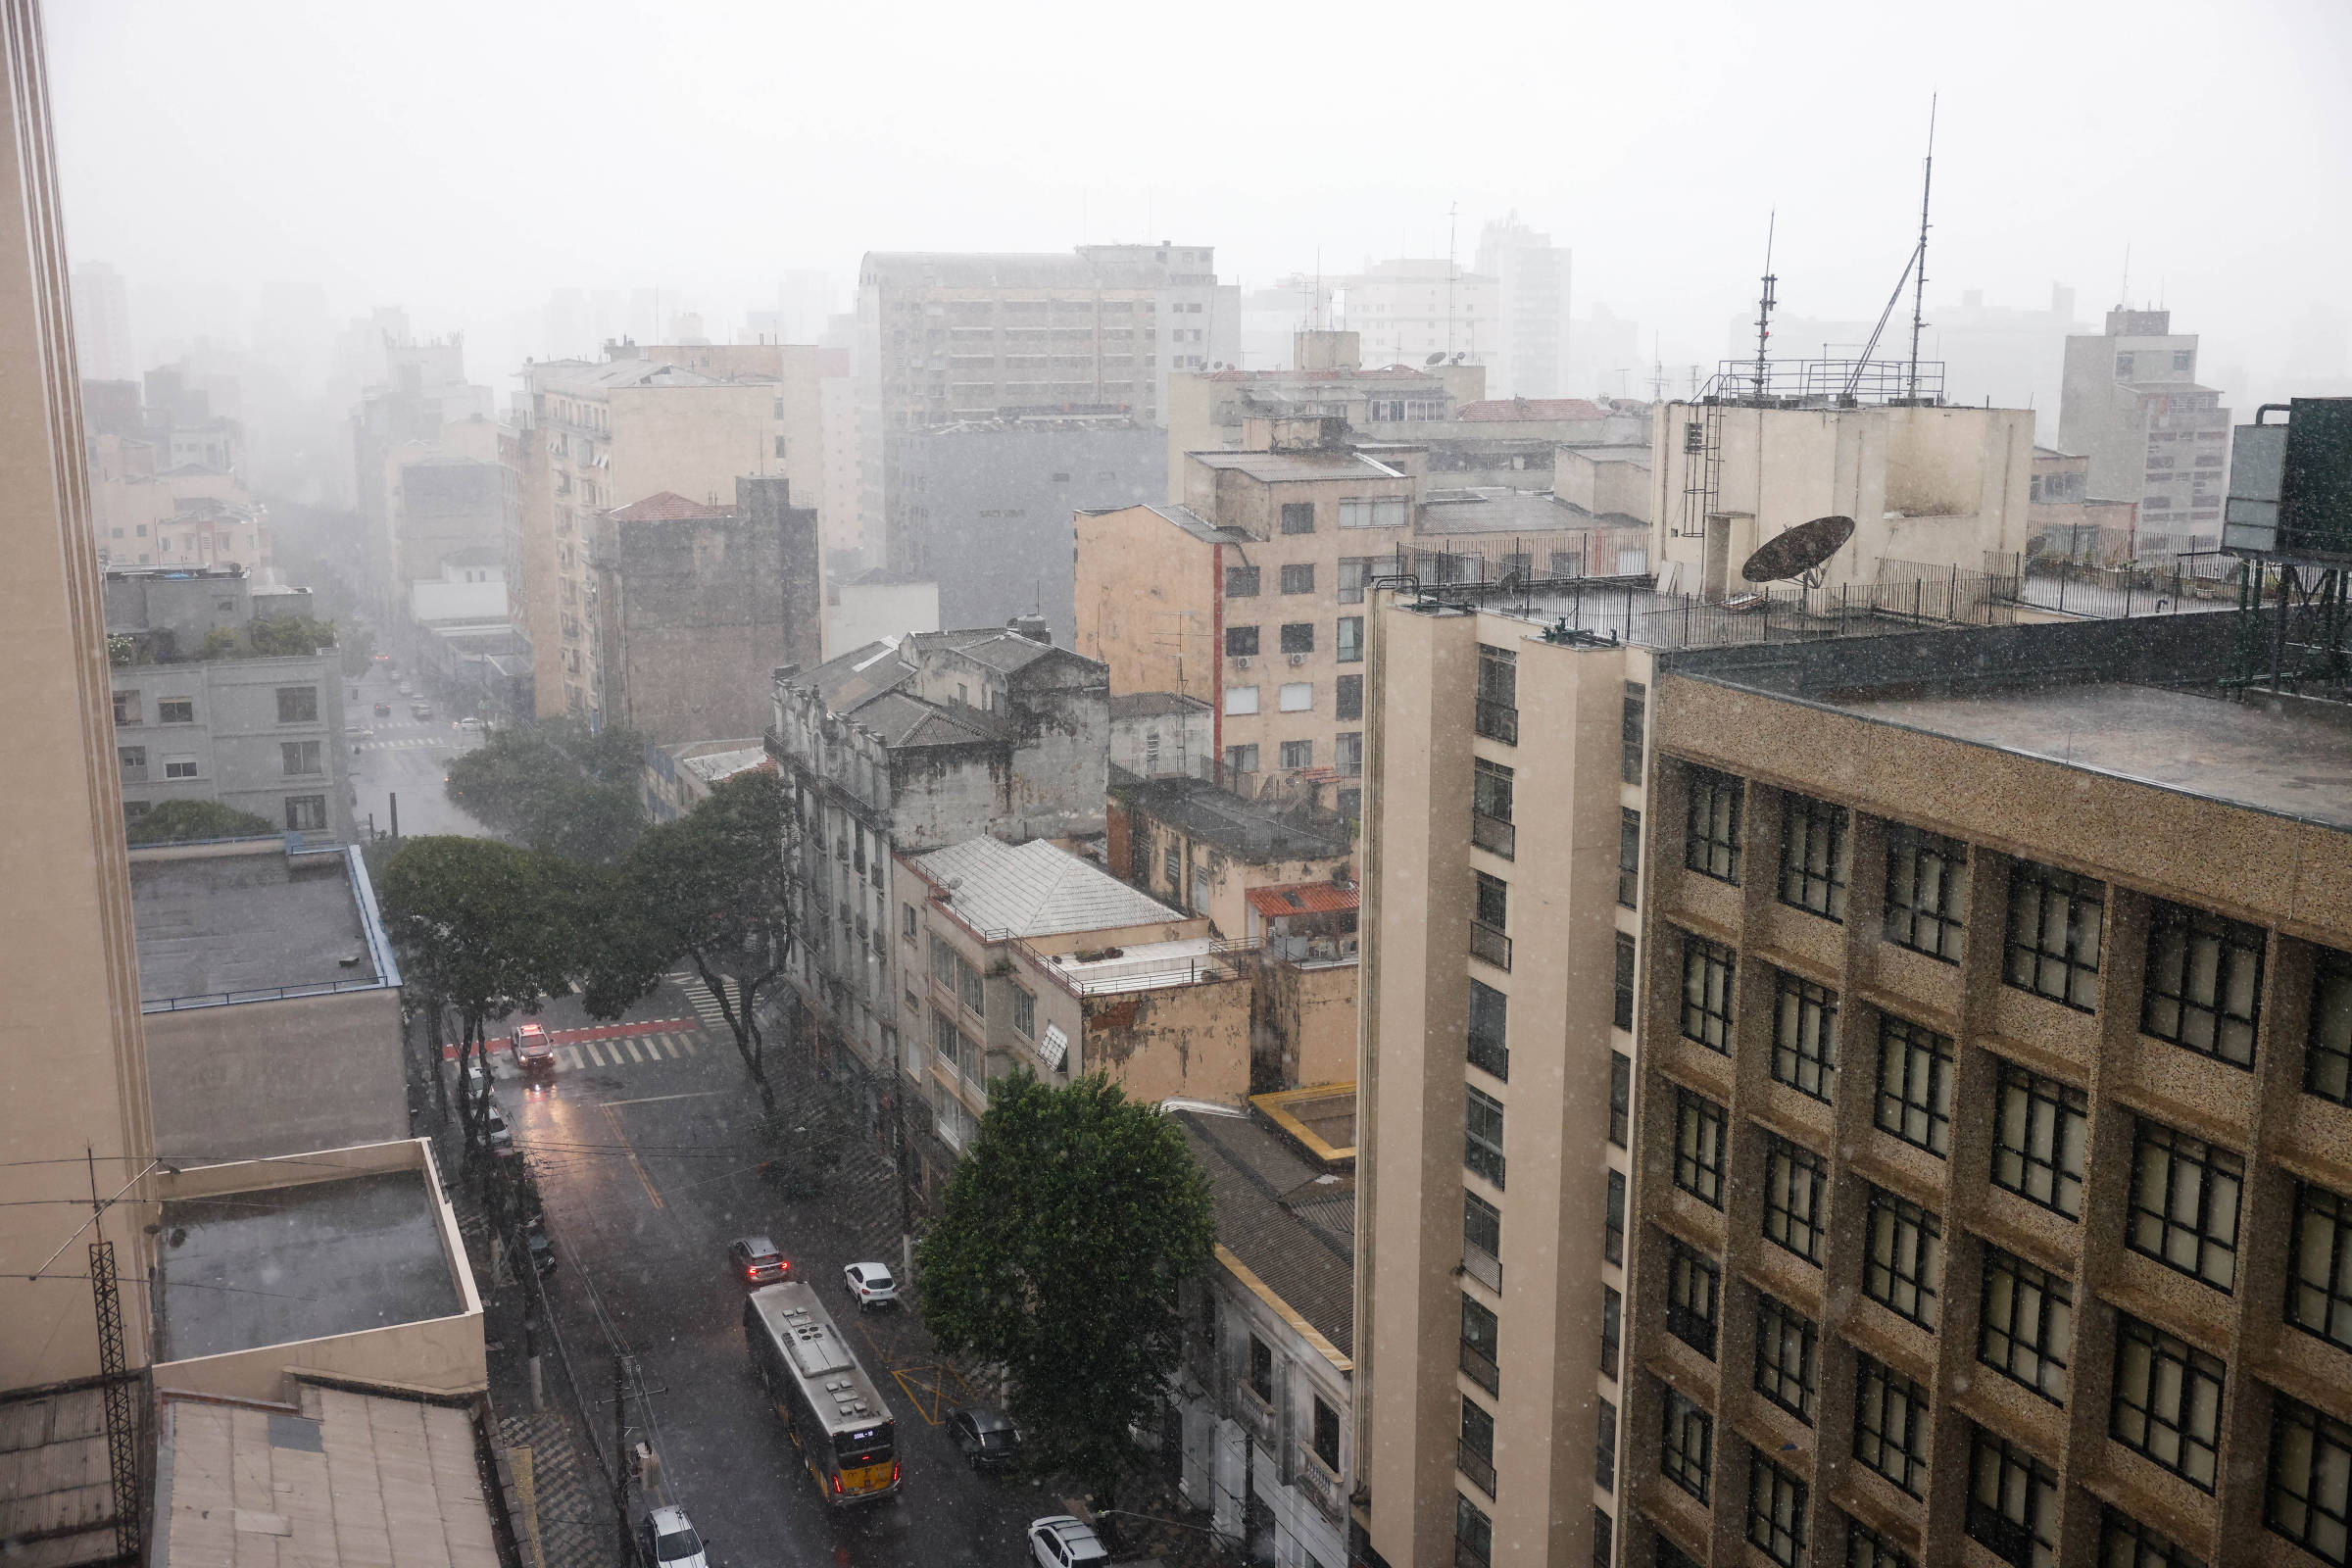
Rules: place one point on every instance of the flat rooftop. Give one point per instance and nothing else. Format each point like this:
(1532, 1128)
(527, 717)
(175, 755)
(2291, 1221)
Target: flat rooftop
(1247, 830)
(281, 1265)
(245, 921)
(1300, 463)
(1146, 966)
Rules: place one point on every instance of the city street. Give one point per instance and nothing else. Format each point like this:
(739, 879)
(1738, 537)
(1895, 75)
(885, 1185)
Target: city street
(405, 756)
(645, 1147)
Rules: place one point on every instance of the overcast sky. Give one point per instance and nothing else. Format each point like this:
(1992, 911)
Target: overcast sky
(463, 160)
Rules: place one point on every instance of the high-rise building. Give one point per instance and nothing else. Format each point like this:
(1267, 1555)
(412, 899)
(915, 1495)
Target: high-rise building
(1425, 309)
(1532, 279)
(101, 323)
(2132, 405)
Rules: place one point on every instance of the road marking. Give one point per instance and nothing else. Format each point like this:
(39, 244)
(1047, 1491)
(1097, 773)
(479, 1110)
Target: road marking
(935, 1390)
(525, 1485)
(594, 1056)
(630, 1046)
(568, 1055)
(655, 1099)
(643, 1175)
(692, 1050)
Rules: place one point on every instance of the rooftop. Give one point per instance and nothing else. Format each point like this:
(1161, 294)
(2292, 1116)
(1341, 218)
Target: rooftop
(57, 1503)
(1148, 705)
(1289, 1224)
(247, 921)
(1146, 966)
(278, 1266)
(1247, 830)
(1275, 468)
(345, 1478)
(1493, 509)
(1035, 889)
(665, 506)
(1303, 898)
(713, 766)
(1506, 409)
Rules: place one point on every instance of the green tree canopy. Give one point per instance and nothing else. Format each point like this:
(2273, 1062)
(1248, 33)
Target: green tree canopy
(178, 822)
(280, 635)
(555, 786)
(1067, 1228)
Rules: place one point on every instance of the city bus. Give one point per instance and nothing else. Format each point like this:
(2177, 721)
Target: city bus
(829, 1405)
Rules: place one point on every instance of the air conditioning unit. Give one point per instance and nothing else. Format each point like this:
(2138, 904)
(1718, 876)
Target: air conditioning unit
(1296, 659)
(1242, 662)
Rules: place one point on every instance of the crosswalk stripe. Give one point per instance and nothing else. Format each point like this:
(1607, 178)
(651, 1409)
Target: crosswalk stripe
(568, 1055)
(592, 1053)
(691, 1050)
(631, 1045)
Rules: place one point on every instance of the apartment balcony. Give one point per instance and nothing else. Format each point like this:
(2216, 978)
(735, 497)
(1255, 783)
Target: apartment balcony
(1260, 1418)
(1322, 1485)
(1482, 1369)
(1494, 833)
(1490, 946)
(1477, 1466)
(1498, 722)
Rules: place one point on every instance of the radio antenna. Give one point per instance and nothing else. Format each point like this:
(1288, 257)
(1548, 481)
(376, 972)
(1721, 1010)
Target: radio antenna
(1918, 281)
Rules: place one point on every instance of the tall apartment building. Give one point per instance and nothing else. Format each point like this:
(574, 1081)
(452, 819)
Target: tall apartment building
(1992, 1119)
(2130, 403)
(422, 409)
(101, 323)
(944, 337)
(1409, 309)
(1532, 278)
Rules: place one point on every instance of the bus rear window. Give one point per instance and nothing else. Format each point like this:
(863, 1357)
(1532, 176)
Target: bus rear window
(866, 1445)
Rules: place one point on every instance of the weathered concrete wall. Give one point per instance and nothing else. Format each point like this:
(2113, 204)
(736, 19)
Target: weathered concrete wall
(261, 1079)
(1062, 767)
(1189, 1041)
(1306, 1015)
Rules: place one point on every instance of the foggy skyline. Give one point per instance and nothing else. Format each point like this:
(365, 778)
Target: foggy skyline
(465, 163)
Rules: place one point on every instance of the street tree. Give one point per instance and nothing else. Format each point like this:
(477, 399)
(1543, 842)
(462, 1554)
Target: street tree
(555, 786)
(178, 821)
(1068, 1226)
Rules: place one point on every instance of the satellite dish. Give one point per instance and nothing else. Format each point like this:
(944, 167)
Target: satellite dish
(1437, 358)
(1798, 552)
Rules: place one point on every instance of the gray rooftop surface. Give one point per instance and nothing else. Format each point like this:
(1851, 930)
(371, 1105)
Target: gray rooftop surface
(1036, 890)
(290, 1263)
(1254, 832)
(1291, 1224)
(244, 922)
(1275, 467)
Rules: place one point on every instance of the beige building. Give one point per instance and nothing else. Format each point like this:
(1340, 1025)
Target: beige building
(1411, 308)
(2130, 404)
(1993, 1178)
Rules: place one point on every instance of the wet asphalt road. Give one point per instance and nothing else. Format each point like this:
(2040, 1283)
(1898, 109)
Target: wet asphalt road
(648, 1170)
(405, 756)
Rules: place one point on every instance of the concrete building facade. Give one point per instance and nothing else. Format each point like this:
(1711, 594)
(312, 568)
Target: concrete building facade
(2130, 403)
(1532, 278)
(1411, 307)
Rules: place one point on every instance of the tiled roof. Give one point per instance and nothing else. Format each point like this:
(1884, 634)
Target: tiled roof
(1303, 898)
(1036, 890)
(1289, 1224)
(665, 506)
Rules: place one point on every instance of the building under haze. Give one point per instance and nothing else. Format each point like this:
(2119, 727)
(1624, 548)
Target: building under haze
(2153, 436)
(102, 342)
(1424, 310)
(1530, 276)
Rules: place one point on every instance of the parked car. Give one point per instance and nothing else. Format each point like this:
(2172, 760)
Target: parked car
(757, 1259)
(1060, 1540)
(988, 1437)
(500, 1130)
(871, 1284)
(358, 732)
(406, 690)
(543, 1250)
(383, 710)
(534, 1052)
(420, 710)
(470, 723)
(667, 1539)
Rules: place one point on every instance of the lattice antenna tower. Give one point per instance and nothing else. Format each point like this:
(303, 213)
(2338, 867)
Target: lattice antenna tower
(1764, 304)
(1919, 282)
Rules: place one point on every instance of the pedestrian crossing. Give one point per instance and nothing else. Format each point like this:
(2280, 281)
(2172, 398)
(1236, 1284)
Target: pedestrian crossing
(627, 1050)
(705, 1006)
(413, 743)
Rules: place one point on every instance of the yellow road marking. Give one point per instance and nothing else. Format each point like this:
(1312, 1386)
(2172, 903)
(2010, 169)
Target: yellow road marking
(635, 1163)
(518, 1458)
(936, 1391)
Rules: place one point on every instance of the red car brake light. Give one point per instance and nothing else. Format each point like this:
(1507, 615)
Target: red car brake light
(837, 1485)
(894, 1472)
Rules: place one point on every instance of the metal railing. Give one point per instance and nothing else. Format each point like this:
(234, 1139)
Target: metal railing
(1492, 833)
(1490, 1056)
(223, 999)
(1483, 1266)
(1489, 945)
(1482, 1368)
(1477, 1466)
(2191, 582)
(1498, 722)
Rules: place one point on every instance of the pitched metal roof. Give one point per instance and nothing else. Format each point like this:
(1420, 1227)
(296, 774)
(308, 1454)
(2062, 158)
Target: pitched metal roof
(1036, 890)
(1289, 1224)
(1303, 898)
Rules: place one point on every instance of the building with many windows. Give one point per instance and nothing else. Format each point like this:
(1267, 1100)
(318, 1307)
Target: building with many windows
(1992, 1189)
(2132, 405)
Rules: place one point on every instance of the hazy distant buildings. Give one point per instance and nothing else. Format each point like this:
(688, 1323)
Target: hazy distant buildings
(2133, 405)
(423, 411)
(1532, 276)
(1604, 356)
(101, 323)
(1410, 309)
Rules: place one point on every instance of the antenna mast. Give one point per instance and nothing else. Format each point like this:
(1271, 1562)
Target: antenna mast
(1764, 305)
(1450, 222)
(1919, 282)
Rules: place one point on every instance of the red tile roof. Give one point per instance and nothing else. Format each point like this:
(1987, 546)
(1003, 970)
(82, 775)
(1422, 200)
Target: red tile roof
(1303, 898)
(665, 506)
(1531, 408)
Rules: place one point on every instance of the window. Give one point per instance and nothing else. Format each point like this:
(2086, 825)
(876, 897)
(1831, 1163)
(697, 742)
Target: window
(1693, 1287)
(1865, 1547)
(1261, 1369)
(1636, 705)
(1604, 1447)
(1242, 758)
(1298, 516)
(1351, 639)
(2168, 1401)
(2127, 1543)
(1241, 699)
(1787, 1342)
(2027, 1327)
(1296, 697)
(1711, 845)
(1488, 1048)
(1490, 920)
(127, 707)
(2328, 1048)
(2319, 1264)
(298, 704)
(1479, 1332)
(1776, 1511)
(1927, 891)
(1354, 573)
(1685, 1447)
(2204, 983)
(1024, 1013)
(1298, 637)
(1915, 1084)
(1698, 1128)
(1240, 582)
(1491, 808)
(1240, 641)
(1905, 1270)
(943, 963)
(1172, 867)
(180, 767)
(133, 810)
(1347, 696)
(1804, 1054)
(1629, 857)
(1707, 993)
(1813, 856)
(298, 757)
(1890, 1425)
(1298, 754)
(1623, 1017)
(1299, 579)
(2311, 1479)
(971, 988)
(176, 711)
(906, 910)
(1482, 1240)
(1621, 1097)
(1326, 1441)
(1477, 1446)
(2123, 366)
(1612, 1236)
(1793, 1182)
(2184, 1205)
(134, 762)
(1604, 1544)
(2053, 945)
(306, 813)
(1347, 758)
(2040, 1137)
(1498, 715)
(1482, 1137)
(1376, 512)
(2012, 1503)
(1612, 1330)
(1473, 1530)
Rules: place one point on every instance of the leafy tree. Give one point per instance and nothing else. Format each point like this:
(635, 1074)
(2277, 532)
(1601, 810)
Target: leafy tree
(357, 646)
(1067, 1228)
(280, 635)
(715, 889)
(178, 822)
(482, 932)
(555, 786)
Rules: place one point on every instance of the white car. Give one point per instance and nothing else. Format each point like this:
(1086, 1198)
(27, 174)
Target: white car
(667, 1540)
(1060, 1540)
(470, 723)
(871, 1284)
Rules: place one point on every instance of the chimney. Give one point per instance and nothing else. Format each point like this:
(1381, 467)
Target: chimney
(1033, 627)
